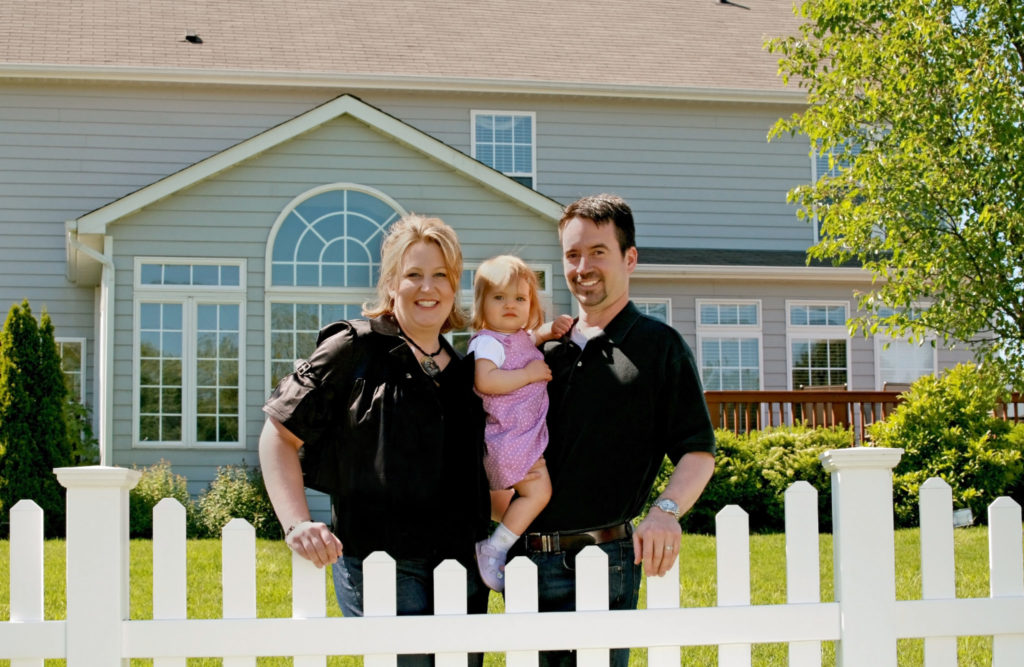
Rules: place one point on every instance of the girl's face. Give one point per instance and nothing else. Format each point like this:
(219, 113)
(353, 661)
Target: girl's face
(507, 309)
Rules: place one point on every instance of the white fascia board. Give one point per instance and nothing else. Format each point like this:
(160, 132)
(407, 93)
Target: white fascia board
(343, 81)
(96, 221)
(775, 273)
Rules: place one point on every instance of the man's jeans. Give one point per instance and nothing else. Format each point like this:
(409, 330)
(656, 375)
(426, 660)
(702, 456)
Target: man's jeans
(415, 593)
(556, 577)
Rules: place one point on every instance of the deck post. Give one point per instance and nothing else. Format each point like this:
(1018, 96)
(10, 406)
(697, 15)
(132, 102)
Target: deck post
(864, 565)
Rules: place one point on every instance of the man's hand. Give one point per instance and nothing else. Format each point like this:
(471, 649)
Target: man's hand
(315, 542)
(656, 542)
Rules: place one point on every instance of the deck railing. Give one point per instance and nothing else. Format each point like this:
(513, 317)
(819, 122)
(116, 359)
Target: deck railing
(745, 411)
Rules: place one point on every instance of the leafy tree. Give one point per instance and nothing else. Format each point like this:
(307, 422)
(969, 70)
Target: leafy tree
(33, 433)
(920, 105)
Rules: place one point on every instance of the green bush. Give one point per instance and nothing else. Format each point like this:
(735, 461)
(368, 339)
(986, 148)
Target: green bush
(33, 434)
(238, 492)
(754, 470)
(159, 482)
(946, 428)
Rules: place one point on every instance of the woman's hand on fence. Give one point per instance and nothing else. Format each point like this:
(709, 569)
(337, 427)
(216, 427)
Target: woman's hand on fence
(656, 542)
(315, 542)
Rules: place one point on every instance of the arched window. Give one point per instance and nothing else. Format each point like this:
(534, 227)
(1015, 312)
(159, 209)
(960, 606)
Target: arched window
(323, 264)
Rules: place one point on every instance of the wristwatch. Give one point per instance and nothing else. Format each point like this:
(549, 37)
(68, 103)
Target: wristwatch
(668, 505)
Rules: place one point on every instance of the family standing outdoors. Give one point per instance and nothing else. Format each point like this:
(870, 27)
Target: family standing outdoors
(419, 448)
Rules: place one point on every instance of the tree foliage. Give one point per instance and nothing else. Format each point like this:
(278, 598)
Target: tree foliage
(921, 106)
(33, 432)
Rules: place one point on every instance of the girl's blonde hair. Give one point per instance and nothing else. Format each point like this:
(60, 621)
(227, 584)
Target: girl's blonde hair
(501, 271)
(407, 232)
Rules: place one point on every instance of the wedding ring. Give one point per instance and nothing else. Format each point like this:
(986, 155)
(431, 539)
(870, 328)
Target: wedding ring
(668, 547)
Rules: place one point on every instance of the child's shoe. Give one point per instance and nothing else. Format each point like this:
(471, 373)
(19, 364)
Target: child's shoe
(491, 562)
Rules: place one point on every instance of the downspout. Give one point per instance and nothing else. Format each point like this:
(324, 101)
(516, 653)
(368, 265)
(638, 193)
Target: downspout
(105, 336)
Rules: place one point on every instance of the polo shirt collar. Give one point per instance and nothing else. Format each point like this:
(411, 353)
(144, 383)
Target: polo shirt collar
(619, 327)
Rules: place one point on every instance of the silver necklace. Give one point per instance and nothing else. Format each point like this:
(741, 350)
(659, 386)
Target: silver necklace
(427, 363)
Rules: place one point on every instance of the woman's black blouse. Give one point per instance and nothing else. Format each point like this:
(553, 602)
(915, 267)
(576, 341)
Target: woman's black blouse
(399, 454)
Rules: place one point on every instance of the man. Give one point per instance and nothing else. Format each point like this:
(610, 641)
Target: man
(624, 393)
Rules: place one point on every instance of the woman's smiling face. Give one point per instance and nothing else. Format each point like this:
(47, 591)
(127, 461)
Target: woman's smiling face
(423, 296)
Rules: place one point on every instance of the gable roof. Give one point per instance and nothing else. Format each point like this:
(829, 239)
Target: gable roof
(654, 48)
(95, 222)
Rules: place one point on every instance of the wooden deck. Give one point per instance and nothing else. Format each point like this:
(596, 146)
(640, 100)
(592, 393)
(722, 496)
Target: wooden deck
(745, 411)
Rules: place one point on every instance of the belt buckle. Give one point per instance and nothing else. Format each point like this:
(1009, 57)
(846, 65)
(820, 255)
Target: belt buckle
(549, 542)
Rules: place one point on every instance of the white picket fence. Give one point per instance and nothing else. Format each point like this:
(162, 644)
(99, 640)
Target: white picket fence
(865, 620)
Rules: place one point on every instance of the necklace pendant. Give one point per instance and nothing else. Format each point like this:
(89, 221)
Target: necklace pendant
(430, 367)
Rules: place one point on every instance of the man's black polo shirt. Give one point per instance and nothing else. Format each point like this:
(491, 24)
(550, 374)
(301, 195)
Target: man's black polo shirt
(617, 406)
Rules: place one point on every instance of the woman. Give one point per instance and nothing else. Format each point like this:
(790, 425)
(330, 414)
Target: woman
(387, 422)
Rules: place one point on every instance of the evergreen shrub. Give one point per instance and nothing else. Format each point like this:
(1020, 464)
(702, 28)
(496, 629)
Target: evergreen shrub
(238, 492)
(33, 432)
(947, 429)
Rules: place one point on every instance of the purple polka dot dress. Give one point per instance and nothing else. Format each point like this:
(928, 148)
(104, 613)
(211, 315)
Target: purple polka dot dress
(516, 431)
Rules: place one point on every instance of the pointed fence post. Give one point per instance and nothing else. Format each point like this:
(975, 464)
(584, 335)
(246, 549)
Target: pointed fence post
(938, 579)
(238, 578)
(309, 600)
(380, 598)
(170, 578)
(97, 562)
(864, 553)
(1006, 563)
(732, 553)
(521, 598)
(803, 569)
(26, 575)
(592, 595)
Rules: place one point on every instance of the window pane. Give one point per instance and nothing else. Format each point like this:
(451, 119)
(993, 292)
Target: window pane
(709, 314)
(748, 314)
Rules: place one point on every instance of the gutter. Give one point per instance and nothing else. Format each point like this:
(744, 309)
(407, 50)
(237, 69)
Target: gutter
(105, 335)
(344, 81)
(747, 273)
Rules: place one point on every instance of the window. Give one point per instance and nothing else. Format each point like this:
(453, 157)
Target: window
(324, 263)
(729, 344)
(72, 362)
(659, 309)
(827, 164)
(901, 362)
(189, 337)
(818, 344)
(505, 140)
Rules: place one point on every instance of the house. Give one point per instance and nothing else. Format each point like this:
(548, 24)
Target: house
(191, 189)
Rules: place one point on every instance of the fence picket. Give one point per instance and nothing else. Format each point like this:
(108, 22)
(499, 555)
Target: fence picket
(592, 595)
(450, 599)
(732, 530)
(26, 576)
(169, 568)
(1006, 562)
(938, 571)
(520, 598)
(379, 598)
(309, 600)
(238, 576)
(663, 593)
(803, 570)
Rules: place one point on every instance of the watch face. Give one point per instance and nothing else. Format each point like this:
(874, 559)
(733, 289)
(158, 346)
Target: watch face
(669, 506)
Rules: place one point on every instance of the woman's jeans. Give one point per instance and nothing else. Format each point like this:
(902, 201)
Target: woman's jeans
(415, 593)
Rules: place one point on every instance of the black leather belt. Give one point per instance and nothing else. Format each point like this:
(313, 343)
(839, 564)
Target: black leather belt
(552, 542)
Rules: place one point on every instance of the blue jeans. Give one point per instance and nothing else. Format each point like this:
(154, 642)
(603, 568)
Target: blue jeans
(415, 595)
(556, 577)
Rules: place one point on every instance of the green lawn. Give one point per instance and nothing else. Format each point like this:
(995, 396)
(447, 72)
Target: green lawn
(768, 586)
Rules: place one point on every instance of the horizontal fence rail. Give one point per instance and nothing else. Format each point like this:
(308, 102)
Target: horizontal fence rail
(865, 620)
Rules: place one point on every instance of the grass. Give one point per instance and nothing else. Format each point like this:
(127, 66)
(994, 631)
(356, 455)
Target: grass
(697, 567)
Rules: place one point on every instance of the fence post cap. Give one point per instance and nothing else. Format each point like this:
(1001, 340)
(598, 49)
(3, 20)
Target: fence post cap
(97, 476)
(883, 458)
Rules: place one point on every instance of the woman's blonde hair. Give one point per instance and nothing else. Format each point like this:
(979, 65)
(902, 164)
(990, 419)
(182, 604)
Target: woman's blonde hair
(405, 233)
(501, 271)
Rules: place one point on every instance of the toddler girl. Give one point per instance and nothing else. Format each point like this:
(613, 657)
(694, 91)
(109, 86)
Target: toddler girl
(511, 378)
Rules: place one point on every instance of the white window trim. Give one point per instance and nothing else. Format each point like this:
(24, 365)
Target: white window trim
(657, 300)
(82, 362)
(815, 331)
(189, 296)
(533, 139)
(732, 331)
